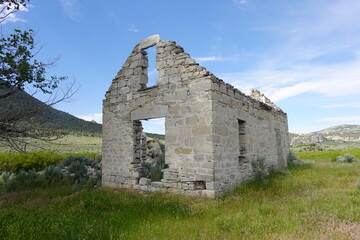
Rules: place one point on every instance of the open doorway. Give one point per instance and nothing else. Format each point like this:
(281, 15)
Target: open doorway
(152, 145)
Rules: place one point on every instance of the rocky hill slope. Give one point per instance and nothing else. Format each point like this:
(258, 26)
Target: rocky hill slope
(335, 134)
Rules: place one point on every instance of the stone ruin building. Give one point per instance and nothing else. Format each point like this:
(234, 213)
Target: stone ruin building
(212, 130)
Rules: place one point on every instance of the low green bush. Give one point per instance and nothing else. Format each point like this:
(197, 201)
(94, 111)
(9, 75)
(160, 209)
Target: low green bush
(36, 161)
(154, 172)
(293, 161)
(291, 157)
(259, 169)
(346, 158)
(21, 181)
(78, 171)
(82, 171)
(53, 175)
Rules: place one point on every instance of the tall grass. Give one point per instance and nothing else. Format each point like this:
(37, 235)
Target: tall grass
(326, 156)
(36, 161)
(313, 202)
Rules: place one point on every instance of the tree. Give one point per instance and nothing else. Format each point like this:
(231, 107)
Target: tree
(20, 70)
(9, 7)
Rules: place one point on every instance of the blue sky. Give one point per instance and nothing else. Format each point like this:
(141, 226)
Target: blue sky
(303, 54)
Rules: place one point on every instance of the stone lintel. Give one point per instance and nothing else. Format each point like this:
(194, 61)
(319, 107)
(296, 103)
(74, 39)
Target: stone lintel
(150, 112)
(149, 42)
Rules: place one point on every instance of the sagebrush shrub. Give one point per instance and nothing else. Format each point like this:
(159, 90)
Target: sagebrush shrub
(259, 169)
(76, 170)
(291, 157)
(53, 174)
(21, 181)
(82, 171)
(293, 161)
(146, 169)
(346, 158)
(154, 172)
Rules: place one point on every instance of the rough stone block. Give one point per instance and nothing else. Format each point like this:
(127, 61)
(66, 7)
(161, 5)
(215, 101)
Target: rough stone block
(208, 194)
(201, 130)
(157, 184)
(183, 150)
(150, 112)
(149, 42)
(144, 181)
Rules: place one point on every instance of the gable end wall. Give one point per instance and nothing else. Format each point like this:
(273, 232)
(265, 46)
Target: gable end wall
(202, 116)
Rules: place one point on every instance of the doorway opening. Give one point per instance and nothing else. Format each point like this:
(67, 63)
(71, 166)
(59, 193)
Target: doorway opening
(152, 145)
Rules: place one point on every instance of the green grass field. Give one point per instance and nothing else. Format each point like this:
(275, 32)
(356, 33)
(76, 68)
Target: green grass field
(320, 201)
(326, 156)
(67, 144)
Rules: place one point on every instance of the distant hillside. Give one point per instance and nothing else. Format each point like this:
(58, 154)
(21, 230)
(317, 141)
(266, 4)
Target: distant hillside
(49, 117)
(342, 130)
(339, 134)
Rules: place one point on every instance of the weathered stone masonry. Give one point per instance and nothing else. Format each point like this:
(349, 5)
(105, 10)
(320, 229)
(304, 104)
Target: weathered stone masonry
(212, 130)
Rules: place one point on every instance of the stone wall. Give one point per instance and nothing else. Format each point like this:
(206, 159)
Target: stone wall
(205, 150)
(245, 129)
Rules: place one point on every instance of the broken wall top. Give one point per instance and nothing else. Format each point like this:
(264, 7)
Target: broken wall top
(174, 66)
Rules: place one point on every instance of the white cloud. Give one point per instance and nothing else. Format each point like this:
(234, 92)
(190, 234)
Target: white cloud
(156, 125)
(345, 119)
(159, 122)
(9, 15)
(112, 16)
(319, 52)
(343, 105)
(153, 72)
(240, 1)
(71, 8)
(328, 80)
(133, 28)
(93, 116)
(211, 59)
(308, 129)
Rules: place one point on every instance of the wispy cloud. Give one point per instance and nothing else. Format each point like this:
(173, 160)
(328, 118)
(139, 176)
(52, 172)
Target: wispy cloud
(345, 119)
(240, 1)
(327, 80)
(344, 105)
(133, 28)
(158, 121)
(93, 116)
(71, 8)
(153, 72)
(308, 129)
(9, 14)
(212, 59)
(112, 16)
(318, 53)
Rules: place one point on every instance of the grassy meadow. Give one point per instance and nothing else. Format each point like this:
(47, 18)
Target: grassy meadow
(326, 156)
(66, 144)
(316, 201)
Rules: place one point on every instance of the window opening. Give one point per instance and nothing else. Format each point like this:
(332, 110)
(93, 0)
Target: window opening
(150, 148)
(152, 71)
(278, 146)
(242, 141)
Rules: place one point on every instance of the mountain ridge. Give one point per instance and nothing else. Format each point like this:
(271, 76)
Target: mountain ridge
(336, 134)
(48, 117)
